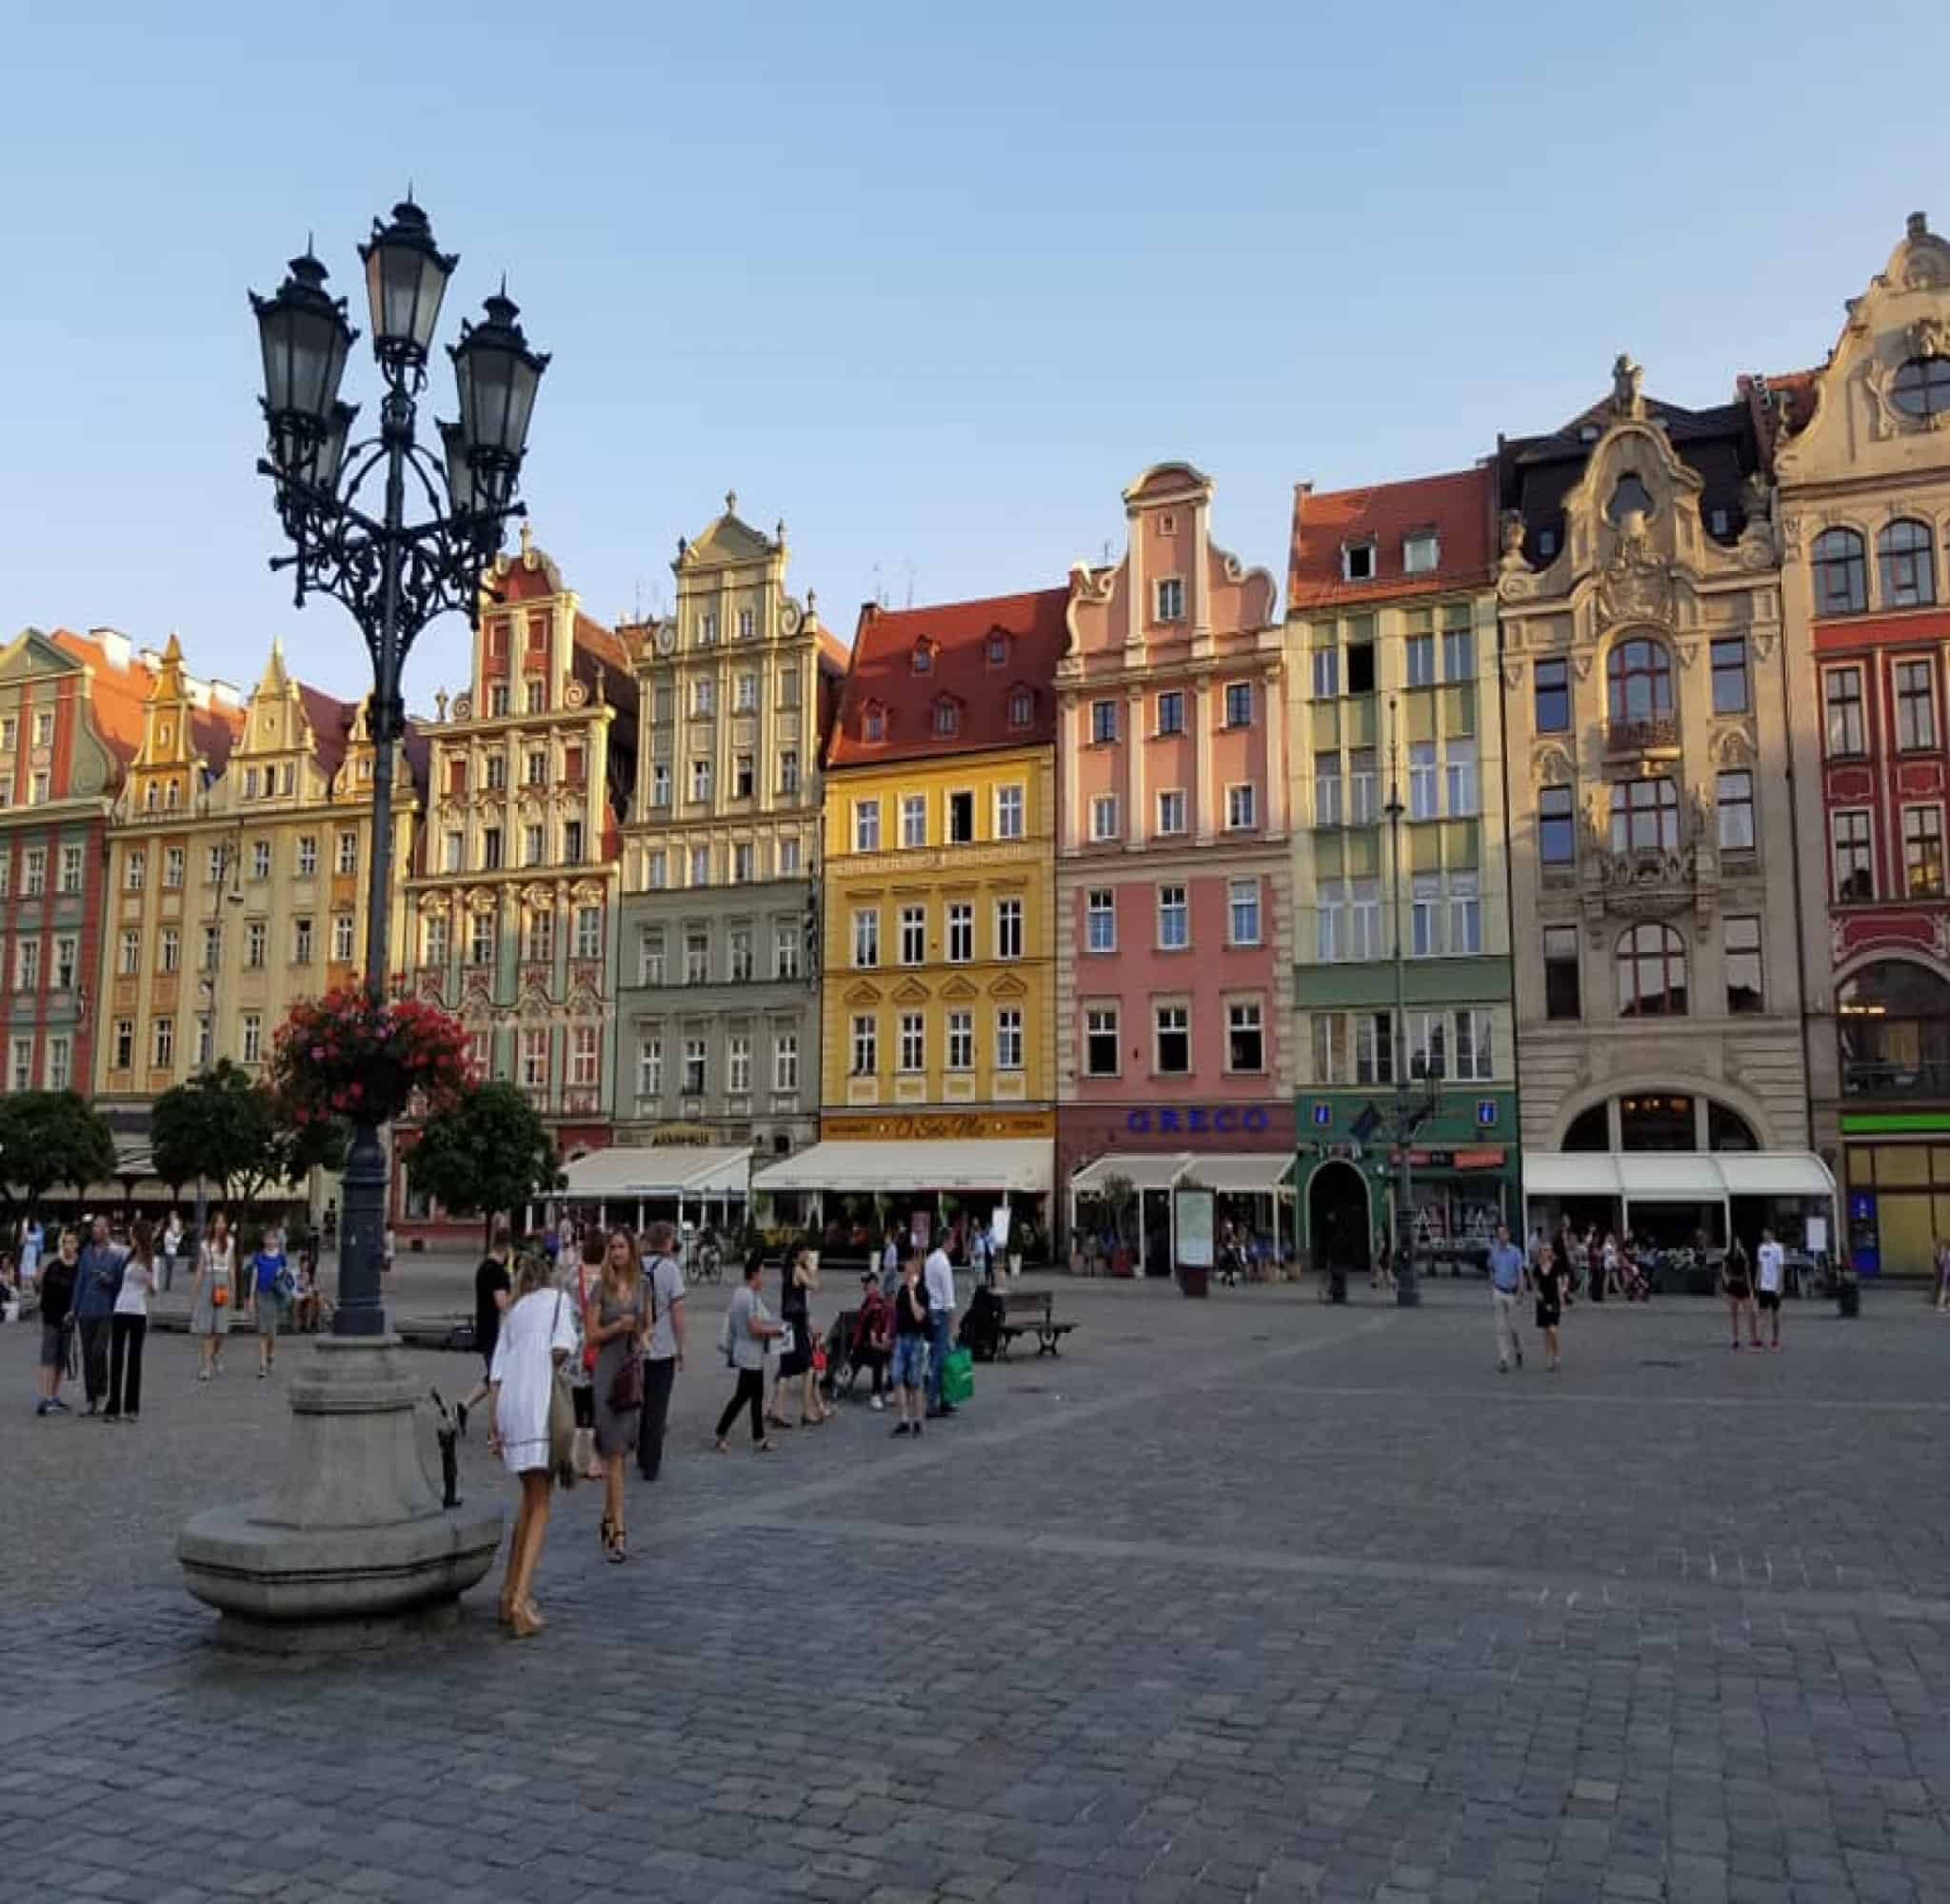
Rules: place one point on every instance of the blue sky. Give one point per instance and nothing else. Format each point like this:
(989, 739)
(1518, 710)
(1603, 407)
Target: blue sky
(930, 282)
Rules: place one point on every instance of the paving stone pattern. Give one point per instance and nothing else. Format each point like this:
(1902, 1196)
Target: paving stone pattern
(1249, 1599)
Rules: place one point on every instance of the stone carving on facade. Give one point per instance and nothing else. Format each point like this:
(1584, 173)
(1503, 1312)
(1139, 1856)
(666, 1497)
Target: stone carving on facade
(1637, 585)
(1627, 387)
(1734, 745)
(1552, 766)
(574, 695)
(1513, 676)
(463, 706)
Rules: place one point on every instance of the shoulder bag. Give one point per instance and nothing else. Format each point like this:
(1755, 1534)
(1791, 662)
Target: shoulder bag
(561, 1410)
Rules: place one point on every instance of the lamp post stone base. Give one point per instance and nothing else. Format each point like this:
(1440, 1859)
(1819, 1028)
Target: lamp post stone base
(353, 1549)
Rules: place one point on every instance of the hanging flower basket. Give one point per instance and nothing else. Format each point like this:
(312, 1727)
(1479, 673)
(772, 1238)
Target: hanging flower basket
(348, 1058)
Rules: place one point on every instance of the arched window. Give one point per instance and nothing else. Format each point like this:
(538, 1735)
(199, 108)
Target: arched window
(1629, 496)
(1922, 387)
(1638, 678)
(1652, 973)
(1841, 576)
(873, 722)
(1905, 566)
(1893, 1018)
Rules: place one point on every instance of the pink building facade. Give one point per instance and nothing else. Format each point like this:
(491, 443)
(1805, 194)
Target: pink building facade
(1173, 871)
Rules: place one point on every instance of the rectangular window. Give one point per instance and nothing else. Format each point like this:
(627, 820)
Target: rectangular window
(700, 865)
(649, 958)
(961, 1041)
(1241, 807)
(1425, 915)
(1551, 696)
(961, 819)
(1733, 795)
(308, 856)
(1420, 655)
(743, 778)
(785, 1061)
(532, 850)
(697, 957)
(1170, 599)
(1841, 689)
(1243, 912)
(1171, 713)
(497, 772)
(1460, 766)
(1239, 703)
(255, 935)
(740, 940)
(787, 946)
(1171, 810)
(700, 779)
(1103, 817)
(737, 1063)
(694, 1068)
(660, 783)
(125, 1043)
(1174, 920)
(961, 933)
(1923, 851)
(1102, 722)
(649, 1067)
(1008, 813)
(534, 1060)
(1466, 914)
(1100, 919)
(172, 867)
(1855, 867)
(27, 965)
(747, 696)
(341, 936)
(1730, 674)
(70, 869)
(746, 622)
(434, 951)
(481, 940)
(1365, 920)
(1172, 1040)
(914, 1041)
(865, 1044)
(1459, 654)
(260, 859)
(589, 932)
(205, 1042)
(1475, 1056)
(165, 1049)
(33, 872)
(1101, 1048)
(659, 872)
(1360, 667)
(60, 1061)
(742, 862)
(703, 697)
(866, 938)
(252, 1040)
(1329, 1034)
(301, 942)
(867, 825)
(1428, 1043)
(1421, 780)
(1327, 789)
(583, 1059)
(788, 772)
(537, 767)
(1561, 990)
(129, 953)
(1374, 1048)
(67, 958)
(1364, 802)
(456, 845)
(913, 934)
(1245, 1036)
(1916, 705)
(1330, 922)
(913, 819)
(1421, 553)
(134, 870)
(1326, 673)
(490, 849)
(1744, 989)
(1009, 1038)
(1008, 928)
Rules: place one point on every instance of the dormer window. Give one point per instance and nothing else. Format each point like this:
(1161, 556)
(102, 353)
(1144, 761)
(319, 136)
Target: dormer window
(1421, 553)
(997, 651)
(1357, 562)
(924, 655)
(1022, 706)
(1167, 524)
(873, 722)
(948, 716)
(1170, 599)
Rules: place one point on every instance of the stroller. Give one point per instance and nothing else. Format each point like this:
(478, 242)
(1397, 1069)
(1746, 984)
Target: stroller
(980, 1330)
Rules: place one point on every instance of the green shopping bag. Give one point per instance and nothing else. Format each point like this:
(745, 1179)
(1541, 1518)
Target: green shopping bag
(957, 1377)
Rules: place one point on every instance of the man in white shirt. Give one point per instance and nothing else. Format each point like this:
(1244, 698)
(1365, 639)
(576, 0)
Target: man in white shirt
(1771, 1269)
(938, 1275)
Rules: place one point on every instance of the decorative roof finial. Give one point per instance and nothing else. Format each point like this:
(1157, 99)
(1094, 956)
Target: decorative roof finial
(1627, 381)
(1919, 225)
(730, 502)
(527, 542)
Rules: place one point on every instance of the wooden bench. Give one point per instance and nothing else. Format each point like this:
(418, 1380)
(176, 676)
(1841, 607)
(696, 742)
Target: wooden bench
(1025, 1315)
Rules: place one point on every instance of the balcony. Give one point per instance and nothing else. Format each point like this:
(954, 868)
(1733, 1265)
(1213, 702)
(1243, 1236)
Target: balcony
(1650, 736)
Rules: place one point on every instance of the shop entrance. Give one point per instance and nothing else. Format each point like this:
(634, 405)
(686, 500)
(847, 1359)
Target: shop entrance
(1337, 1217)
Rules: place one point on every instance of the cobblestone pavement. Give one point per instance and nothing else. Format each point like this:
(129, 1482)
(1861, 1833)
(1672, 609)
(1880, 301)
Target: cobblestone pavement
(1249, 1599)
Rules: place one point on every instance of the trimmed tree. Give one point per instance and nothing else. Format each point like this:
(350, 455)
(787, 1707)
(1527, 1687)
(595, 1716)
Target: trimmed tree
(49, 1138)
(222, 1125)
(486, 1155)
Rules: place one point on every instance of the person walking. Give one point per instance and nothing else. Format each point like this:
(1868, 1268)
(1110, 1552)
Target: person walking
(172, 1248)
(1548, 1276)
(493, 1291)
(890, 1265)
(664, 1350)
(614, 1325)
(1773, 1274)
(33, 1246)
(97, 1283)
(537, 1336)
(582, 1374)
(209, 1296)
(57, 1320)
(797, 1282)
(1505, 1284)
(748, 1327)
(1737, 1281)
(269, 1282)
(911, 1329)
(129, 1326)
(938, 1274)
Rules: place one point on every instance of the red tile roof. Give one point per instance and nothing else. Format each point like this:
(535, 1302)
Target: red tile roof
(882, 675)
(331, 726)
(118, 693)
(1800, 390)
(1456, 506)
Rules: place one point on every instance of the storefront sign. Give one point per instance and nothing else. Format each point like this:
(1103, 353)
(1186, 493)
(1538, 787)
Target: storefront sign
(1199, 1120)
(1489, 1157)
(683, 1134)
(938, 1126)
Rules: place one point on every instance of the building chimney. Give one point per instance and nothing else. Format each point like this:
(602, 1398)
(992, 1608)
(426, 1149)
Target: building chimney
(116, 648)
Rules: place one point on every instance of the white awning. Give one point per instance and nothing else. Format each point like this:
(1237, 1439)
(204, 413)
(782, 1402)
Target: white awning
(1244, 1173)
(1775, 1172)
(1233, 1173)
(864, 1165)
(1670, 1176)
(1152, 1170)
(627, 1172)
(1570, 1173)
(1676, 1175)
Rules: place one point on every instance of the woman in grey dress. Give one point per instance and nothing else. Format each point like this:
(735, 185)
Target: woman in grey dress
(614, 1326)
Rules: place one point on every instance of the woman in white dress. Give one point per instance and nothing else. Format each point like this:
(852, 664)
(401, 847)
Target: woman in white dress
(209, 1295)
(537, 1336)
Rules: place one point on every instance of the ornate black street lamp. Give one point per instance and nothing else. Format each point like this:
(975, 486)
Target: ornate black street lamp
(394, 577)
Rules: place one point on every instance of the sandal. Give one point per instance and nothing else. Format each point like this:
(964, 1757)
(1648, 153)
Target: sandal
(617, 1547)
(604, 1532)
(763, 1448)
(777, 1422)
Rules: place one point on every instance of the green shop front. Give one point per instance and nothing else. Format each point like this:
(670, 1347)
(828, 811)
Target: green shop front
(1896, 1168)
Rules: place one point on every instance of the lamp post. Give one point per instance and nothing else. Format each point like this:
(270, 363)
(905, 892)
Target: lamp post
(229, 852)
(1408, 1292)
(356, 1535)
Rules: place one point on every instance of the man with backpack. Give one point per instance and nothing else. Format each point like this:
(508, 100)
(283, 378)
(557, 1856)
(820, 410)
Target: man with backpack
(664, 1355)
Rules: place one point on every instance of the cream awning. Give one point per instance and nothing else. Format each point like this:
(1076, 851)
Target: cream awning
(1244, 1173)
(624, 1172)
(1775, 1172)
(1670, 1176)
(1152, 1170)
(1676, 1175)
(1233, 1173)
(895, 1166)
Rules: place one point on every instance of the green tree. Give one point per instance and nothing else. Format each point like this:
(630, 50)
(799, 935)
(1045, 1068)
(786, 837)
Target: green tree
(49, 1138)
(487, 1154)
(221, 1125)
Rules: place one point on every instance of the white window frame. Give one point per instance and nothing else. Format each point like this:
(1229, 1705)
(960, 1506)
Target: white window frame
(1104, 1021)
(1096, 914)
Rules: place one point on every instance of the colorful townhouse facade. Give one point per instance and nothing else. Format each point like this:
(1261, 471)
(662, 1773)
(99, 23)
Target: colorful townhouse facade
(59, 764)
(717, 1000)
(511, 900)
(1392, 632)
(1173, 896)
(937, 1061)
(1861, 460)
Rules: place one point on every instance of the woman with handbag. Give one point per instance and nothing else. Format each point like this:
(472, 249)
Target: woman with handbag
(613, 1326)
(209, 1295)
(57, 1276)
(534, 1424)
(797, 1285)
